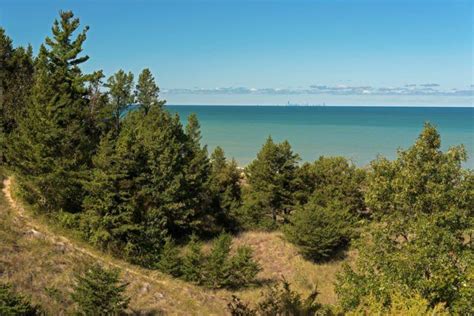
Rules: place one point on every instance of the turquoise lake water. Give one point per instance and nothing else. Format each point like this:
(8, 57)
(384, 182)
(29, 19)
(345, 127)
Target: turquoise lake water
(358, 133)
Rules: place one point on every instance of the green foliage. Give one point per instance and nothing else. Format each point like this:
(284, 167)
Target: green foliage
(147, 91)
(423, 179)
(170, 260)
(332, 180)
(423, 201)
(148, 183)
(216, 268)
(16, 78)
(224, 189)
(407, 304)
(220, 269)
(51, 149)
(319, 231)
(12, 304)
(279, 299)
(271, 178)
(98, 113)
(121, 96)
(100, 292)
(193, 261)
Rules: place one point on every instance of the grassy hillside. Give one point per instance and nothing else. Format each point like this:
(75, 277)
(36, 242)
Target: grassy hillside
(41, 263)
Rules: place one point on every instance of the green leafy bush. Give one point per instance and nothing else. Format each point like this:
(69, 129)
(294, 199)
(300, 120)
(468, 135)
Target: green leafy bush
(422, 239)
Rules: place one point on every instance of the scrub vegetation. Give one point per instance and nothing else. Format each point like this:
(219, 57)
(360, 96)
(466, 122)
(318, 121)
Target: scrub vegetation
(119, 208)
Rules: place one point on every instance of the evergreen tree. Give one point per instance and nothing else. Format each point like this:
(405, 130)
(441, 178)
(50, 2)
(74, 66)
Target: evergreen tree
(12, 304)
(148, 183)
(100, 292)
(51, 151)
(193, 261)
(196, 174)
(170, 260)
(271, 178)
(332, 180)
(219, 269)
(243, 268)
(112, 219)
(224, 188)
(319, 231)
(16, 77)
(99, 116)
(121, 96)
(216, 269)
(147, 91)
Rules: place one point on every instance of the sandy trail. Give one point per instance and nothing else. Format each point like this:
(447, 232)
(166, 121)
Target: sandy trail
(35, 227)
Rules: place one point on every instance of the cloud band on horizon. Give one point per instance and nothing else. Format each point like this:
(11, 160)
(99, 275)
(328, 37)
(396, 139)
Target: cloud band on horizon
(426, 89)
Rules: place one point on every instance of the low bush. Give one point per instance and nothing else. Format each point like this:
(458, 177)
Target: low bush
(279, 299)
(219, 268)
(319, 232)
(12, 303)
(100, 292)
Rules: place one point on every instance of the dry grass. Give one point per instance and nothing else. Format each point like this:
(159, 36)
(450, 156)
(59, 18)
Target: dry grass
(43, 267)
(280, 259)
(41, 263)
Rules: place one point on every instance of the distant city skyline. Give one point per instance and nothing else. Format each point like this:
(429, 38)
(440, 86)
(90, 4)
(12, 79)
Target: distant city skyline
(391, 52)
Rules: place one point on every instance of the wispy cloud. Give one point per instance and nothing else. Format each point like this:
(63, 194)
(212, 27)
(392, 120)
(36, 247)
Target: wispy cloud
(424, 89)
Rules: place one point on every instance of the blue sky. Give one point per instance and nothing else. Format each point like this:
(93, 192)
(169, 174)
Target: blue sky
(271, 52)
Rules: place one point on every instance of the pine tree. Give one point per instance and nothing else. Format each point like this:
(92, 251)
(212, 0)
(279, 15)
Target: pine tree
(272, 179)
(196, 174)
(331, 180)
(98, 115)
(52, 149)
(193, 261)
(147, 91)
(170, 260)
(320, 231)
(243, 268)
(12, 303)
(148, 183)
(100, 292)
(216, 269)
(121, 96)
(16, 78)
(224, 188)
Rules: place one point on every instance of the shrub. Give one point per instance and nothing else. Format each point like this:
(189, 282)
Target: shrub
(408, 305)
(219, 269)
(170, 260)
(216, 270)
(193, 261)
(319, 231)
(278, 300)
(99, 292)
(244, 269)
(12, 303)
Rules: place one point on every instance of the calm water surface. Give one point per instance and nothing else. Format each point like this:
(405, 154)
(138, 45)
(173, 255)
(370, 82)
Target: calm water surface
(358, 133)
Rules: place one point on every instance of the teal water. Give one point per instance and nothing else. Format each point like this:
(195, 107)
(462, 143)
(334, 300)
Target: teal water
(358, 133)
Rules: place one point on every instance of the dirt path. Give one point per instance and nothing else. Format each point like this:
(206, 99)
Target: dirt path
(36, 228)
(179, 292)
